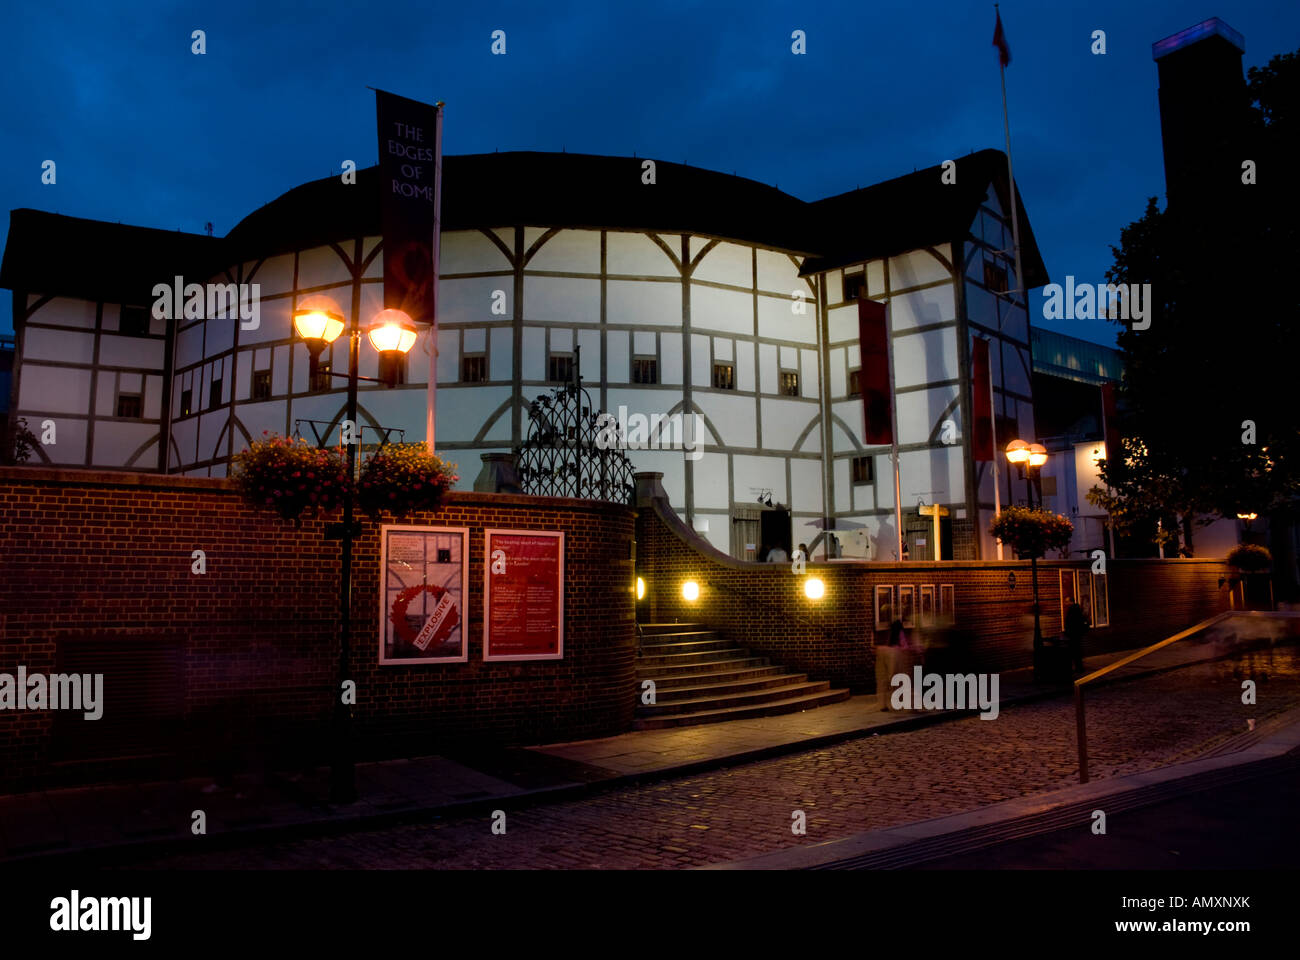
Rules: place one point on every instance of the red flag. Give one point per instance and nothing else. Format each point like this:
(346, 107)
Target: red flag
(873, 342)
(1000, 41)
(981, 385)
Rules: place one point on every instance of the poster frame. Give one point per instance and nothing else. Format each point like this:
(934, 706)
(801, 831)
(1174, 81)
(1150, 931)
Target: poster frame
(488, 656)
(463, 532)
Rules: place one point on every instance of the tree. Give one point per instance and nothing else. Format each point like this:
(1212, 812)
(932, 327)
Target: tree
(1205, 406)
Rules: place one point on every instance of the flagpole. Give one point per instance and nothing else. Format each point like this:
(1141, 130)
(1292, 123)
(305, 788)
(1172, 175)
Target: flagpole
(431, 403)
(893, 428)
(1020, 277)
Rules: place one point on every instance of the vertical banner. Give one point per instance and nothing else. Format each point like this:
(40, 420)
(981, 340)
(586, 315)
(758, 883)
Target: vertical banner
(981, 403)
(1109, 429)
(409, 167)
(873, 343)
(523, 595)
(423, 586)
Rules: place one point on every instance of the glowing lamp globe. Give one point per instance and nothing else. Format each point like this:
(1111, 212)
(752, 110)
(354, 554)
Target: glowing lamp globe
(691, 590)
(814, 588)
(392, 331)
(1037, 455)
(1017, 451)
(318, 319)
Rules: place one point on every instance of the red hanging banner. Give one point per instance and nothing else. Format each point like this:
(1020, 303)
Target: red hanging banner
(873, 342)
(981, 403)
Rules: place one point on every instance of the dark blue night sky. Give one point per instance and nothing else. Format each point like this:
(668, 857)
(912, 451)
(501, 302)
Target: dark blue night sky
(145, 132)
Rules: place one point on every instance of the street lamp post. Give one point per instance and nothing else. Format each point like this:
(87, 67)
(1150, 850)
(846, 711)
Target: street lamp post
(1028, 460)
(319, 321)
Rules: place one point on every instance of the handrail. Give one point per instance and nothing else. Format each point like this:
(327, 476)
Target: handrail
(1080, 724)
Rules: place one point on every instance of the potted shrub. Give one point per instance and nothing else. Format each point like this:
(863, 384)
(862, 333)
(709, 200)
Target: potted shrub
(288, 476)
(1250, 564)
(404, 477)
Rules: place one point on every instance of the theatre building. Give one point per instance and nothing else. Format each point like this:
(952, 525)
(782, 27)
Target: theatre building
(700, 294)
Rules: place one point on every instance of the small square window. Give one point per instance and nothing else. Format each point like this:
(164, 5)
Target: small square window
(214, 393)
(128, 405)
(392, 368)
(724, 376)
(320, 377)
(863, 470)
(187, 402)
(995, 277)
(789, 383)
(855, 383)
(645, 370)
(444, 555)
(473, 369)
(855, 286)
(561, 367)
(261, 384)
(133, 322)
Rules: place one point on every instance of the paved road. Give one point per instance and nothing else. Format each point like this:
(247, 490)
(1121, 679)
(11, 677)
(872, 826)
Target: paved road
(861, 785)
(1243, 826)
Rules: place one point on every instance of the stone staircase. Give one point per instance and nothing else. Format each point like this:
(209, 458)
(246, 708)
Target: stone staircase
(702, 678)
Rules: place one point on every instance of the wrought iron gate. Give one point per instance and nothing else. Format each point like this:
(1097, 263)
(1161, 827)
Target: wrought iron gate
(561, 457)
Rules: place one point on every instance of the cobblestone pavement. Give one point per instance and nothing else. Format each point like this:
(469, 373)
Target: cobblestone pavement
(866, 784)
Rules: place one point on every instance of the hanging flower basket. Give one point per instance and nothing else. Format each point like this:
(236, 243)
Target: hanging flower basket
(1250, 558)
(288, 476)
(1031, 533)
(403, 478)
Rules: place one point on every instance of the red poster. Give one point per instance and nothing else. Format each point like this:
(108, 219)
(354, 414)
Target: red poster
(523, 593)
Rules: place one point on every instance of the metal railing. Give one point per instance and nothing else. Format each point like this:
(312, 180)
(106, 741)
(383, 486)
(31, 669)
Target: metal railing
(1079, 718)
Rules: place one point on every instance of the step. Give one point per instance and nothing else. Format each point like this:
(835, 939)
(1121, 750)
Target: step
(648, 672)
(680, 636)
(653, 628)
(686, 646)
(773, 709)
(672, 681)
(743, 699)
(688, 659)
(715, 688)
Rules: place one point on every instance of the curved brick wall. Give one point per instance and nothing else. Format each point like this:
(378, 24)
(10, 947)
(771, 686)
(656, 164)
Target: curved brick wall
(762, 606)
(86, 555)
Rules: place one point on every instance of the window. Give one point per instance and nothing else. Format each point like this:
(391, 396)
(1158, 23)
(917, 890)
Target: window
(645, 370)
(187, 402)
(724, 376)
(864, 470)
(133, 322)
(855, 383)
(855, 285)
(261, 384)
(789, 383)
(128, 405)
(995, 277)
(392, 368)
(561, 368)
(473, 369)
(320, 377)
(214, 393)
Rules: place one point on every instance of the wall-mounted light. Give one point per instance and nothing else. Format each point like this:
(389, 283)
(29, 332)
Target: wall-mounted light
(814, 589)
(691, 591)
(640, 589)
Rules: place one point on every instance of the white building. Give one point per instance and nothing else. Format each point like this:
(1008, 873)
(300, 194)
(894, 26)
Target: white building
(700, 293)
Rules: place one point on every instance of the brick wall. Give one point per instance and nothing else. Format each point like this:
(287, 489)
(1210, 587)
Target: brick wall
(88, 556)
(763, 605)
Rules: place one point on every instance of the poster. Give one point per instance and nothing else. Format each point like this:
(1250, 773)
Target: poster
(927, 606)
(884, 607)
(1068, 592)
(1085, 594)
(1100, 601)
(523, 595)
(423, 586)
(907, 605)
